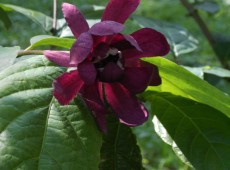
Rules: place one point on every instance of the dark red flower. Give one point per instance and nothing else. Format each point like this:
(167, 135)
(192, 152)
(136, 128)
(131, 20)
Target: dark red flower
(108, 66)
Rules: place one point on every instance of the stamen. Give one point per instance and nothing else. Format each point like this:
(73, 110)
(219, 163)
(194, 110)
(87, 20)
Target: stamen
(119, 61)
(113, 55)
(112, 51)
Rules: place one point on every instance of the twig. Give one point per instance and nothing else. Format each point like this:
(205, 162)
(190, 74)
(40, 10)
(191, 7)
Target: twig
(54, 27)
(30, 52)
(205, 30)
(199, 21)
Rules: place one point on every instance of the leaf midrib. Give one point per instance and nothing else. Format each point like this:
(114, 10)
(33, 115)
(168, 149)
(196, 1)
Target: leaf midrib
(45, 131)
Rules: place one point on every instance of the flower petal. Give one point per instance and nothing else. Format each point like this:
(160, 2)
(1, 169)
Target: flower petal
(111, 73)
(119, 10)
(106, 28)
(136, 79)
(155, 79)
(87, 72)
(75, 19)
(93, 100)
(152, 42)
(150, 69)
(81, 48)
(124, 42)
(67, 86)
(133, 42)
(126, 106)
(59, 57)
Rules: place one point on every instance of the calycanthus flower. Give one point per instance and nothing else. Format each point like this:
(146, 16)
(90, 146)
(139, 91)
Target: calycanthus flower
(108, 66)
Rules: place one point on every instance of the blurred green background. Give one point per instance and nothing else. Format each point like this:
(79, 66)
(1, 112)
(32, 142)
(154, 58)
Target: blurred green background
(156, 154)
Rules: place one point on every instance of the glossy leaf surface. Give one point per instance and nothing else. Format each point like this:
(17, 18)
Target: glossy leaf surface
(200, 131)
(42, 40)
(179, 81)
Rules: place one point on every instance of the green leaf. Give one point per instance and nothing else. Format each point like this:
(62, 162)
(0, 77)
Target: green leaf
(180, 40)
(163, 134)
(35, 131)
(8, 56)
(44, 21)
(217, 71)
(4, 17)
(119, 149)
(179, 81)
(42, 40)
(200, 131)
(72, 140)
(198, 71)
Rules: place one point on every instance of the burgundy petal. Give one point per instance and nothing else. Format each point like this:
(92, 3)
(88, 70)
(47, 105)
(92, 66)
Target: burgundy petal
(119, 10)
(81, 48)
(87, 72)
(155, 79)
(152, 42)
(75, 19)
(93, 100)
(59, 57)
(150, 69)
(137, 79)
(126, 106)
(111, 73)
(118, 41)
(67, 86)
(98, 39)
(133, 42)
(106, 28)
(124, 42)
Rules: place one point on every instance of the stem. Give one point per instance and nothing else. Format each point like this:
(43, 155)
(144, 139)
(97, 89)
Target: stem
(54, 27)
(204, 29)
(30, 52)
(199, 21)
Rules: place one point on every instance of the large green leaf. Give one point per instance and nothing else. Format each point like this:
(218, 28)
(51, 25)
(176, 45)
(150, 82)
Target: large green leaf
(35, 131)
(8, 56)
(42, 40)
(181, 41)
(163, 134)
(179, 81)
(119, 149)
(200, 131)
(44, 21)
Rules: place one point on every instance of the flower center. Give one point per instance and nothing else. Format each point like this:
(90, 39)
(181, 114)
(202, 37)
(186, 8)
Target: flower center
(110, 68)
(113, 56)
